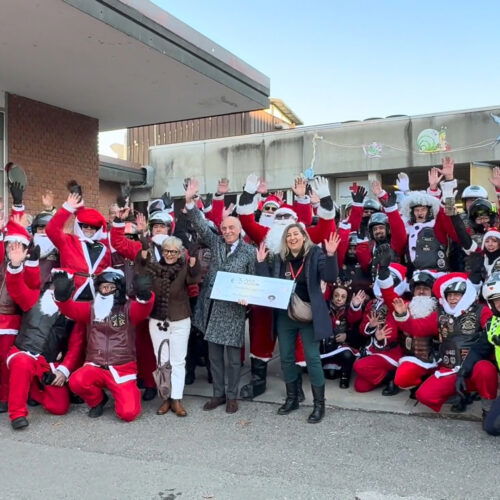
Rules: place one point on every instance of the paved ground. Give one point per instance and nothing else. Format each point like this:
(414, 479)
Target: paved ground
(251, 454)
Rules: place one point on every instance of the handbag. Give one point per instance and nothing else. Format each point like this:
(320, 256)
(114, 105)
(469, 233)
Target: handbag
(299, 310)
(163, 374)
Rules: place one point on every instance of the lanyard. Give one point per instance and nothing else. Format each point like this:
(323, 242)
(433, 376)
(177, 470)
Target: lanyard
(294, 276)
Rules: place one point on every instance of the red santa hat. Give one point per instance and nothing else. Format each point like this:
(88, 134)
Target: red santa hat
(397, 271)
(271, 200)
(468, 298)
(492, 232)
(286, 209)
(444, 281)
(91, 217)
(16, 232)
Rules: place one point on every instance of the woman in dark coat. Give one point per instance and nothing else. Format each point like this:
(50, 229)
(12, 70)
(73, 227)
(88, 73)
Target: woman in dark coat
(299, 259)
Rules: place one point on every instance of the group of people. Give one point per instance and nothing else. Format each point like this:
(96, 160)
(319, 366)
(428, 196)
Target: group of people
(400, 291)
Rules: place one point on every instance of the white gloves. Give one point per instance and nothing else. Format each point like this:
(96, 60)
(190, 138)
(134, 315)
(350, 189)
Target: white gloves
(403, 182)
(251, 184)
(320, 187)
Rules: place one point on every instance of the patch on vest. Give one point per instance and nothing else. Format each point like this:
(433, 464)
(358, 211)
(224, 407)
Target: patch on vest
(118, 320)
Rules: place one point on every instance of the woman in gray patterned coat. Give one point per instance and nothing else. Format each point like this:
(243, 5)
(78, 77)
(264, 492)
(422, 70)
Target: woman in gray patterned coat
(223, 323)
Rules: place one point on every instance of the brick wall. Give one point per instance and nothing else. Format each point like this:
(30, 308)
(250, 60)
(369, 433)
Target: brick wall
(108, 192)
(53, 145)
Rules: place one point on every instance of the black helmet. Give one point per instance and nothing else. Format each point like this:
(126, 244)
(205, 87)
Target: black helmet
(116, 277)
(371, 204)
(378, 219)
(421, 278)
(40, 220)
(482, 207)
(457, 287)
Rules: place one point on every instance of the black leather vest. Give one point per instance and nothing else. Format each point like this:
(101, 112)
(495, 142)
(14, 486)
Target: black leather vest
(429, 253)
(44, 334)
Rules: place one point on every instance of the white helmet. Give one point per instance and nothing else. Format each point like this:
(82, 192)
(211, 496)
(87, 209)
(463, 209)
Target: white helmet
(474, 192)
(491, 289)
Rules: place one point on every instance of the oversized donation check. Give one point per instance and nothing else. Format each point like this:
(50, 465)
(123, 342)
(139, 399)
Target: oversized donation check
(258, 290)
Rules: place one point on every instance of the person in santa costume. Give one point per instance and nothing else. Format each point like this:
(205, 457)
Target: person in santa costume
(270, 230)
(459, 321)
(420, 356)
(85, 253)
(378, 324)
(339, 351)
(46, 350)
(110, 360)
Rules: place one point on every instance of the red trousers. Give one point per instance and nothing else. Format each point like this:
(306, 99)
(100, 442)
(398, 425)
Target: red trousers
(146, 361)
(25, 373)
(434, 392)
(89, 381)
(6, 342)
(409, 375)
(262, 339)
(371, 372)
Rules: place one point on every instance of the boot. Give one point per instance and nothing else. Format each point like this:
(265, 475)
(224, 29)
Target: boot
(3, 407)
(19, 423)
(164, 407)
(331, 374)
(257, 385)
(292, 399)
(149, 394)
(319, 404)
(177, 408)
(190, 377)
(33, 402)
(345, 377)
(391, 389)
(98, 410)
(300, 391)
(460, 406)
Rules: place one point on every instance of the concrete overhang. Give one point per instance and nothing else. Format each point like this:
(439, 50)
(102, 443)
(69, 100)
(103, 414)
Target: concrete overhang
(125, 62)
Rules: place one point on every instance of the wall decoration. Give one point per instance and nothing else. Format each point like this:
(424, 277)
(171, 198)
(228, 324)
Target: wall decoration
(373, 150)
(496, 119)
(431, 140)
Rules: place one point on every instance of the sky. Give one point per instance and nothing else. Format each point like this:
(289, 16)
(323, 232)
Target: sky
(333, 61)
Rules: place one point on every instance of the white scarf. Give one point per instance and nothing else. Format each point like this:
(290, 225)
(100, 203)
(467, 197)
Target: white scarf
(47, 303)
(46, 246)
(102, 306)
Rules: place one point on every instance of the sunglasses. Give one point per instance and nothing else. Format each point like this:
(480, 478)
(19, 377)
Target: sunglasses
(269, 208)
(88, 226)
(283, 216)
(170, 252)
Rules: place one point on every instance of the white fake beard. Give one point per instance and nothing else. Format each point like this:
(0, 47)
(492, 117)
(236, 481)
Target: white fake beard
(47, 303)
(422, 306)
(266, 219)
(102, 306)
(46, 246)
(158, 239)
(275, 234)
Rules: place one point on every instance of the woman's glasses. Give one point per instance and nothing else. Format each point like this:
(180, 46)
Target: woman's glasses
(170, 252)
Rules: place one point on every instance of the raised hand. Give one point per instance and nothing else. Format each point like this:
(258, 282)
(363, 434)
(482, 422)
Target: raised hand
(359, 195)
(228, 210)
(262, 252)
(320, 187)
(376, 188)
(495, 177)
(390, 201)
(403, 182)
(141, 223)
(207, 201)
(383, 254)
(262, 187)
(400, 306)
(168, 202)
(223, 186)
(280, 194)
(434, 178)
(359, 298)
(251, 184)
(123, 213)
(48, 200)
(17, 190)
(448, 166)
(314, 199)
(299, 187)
(383, 333)
(373, 319)
(331, 244)
(192, 189)
(74, 200)
(16, 253)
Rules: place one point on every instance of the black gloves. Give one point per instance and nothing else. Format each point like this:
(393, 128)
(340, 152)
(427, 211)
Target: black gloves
(74, 187)
(63, 287)
(17, 190)
(475, 262)
(142, 287)
(144, 242)
(384, 255)
(390, 201)
(359, 195)
(33, 253)
(460, 385)
(167, 201)
(207, 201)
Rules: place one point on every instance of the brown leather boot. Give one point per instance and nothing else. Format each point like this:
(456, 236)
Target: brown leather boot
(165, 406)
(231, 406)
(212, 403)
(177, 408)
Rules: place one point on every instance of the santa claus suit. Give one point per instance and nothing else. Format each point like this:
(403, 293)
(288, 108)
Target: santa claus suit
(459, 328)
(110, 361)
(427, 241)
(46, 342)
(84, 257)
(10, 312)
(382, 356)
